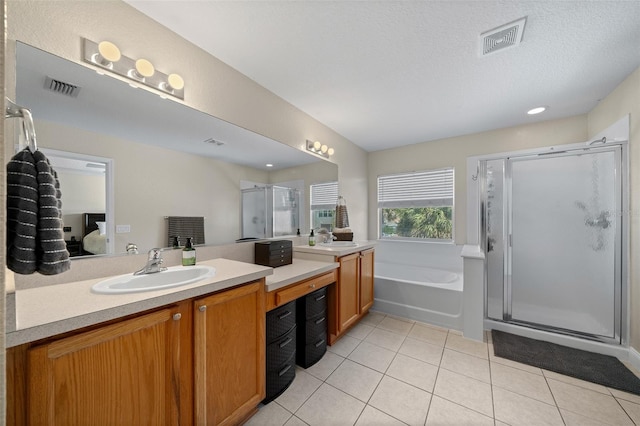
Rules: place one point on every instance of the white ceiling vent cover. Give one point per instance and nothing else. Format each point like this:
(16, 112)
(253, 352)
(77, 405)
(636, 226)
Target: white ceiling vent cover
(214, 142)
(503, 37)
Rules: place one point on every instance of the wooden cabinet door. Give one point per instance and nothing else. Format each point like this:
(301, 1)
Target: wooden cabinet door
(121, 374)
(366, 280)
(229, 351)
(348, 290)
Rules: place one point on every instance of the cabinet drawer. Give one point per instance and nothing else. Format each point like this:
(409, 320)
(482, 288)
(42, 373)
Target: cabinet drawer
(279, 379)
(315, 327)
(281, 350)
(313, 304)
(280, 321)
(304, 288)
(312, 352)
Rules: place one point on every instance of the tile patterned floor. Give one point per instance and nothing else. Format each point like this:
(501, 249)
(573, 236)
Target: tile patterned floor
(393, 371)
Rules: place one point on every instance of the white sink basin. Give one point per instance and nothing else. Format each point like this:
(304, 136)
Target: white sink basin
(172, 277)
(339, 244)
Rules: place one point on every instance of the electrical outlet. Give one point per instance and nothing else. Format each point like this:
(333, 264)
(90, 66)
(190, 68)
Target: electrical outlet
(123, 229)
(66, 229)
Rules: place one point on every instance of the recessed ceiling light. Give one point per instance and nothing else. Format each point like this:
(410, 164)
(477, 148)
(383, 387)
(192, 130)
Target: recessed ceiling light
(536, 110)
(269, 165)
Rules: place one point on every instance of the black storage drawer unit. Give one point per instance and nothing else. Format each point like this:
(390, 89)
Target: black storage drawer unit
(274, 253)
(279, 379)
(316, 326)
(280, 321)
(314, 303)
(312, 328)
(281, 350)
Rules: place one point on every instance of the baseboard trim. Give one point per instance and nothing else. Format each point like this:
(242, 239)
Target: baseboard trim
(634, 358)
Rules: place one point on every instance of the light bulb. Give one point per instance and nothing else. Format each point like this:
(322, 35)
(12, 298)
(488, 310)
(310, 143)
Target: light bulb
(330, 151)
(324, 148)
(317, 145)
(109, 52)
(175, 82)
(144, 68)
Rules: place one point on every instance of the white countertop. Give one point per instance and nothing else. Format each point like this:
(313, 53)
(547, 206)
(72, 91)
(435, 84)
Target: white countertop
(334, 249)
(50, 310)
(299, 270)
(46, 311)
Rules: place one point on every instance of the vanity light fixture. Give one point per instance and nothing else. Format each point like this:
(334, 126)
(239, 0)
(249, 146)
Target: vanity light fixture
(319, 148)
(106, 56)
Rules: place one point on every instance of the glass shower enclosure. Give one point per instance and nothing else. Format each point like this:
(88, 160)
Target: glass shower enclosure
(553, 241)
(270, 211)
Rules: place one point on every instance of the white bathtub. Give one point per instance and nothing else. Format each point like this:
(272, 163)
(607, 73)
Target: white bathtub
(422, 293)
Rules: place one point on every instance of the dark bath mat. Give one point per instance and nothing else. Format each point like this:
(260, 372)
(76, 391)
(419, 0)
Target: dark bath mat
(597, 368)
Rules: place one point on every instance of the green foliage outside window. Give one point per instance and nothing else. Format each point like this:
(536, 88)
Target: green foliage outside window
(418, 222)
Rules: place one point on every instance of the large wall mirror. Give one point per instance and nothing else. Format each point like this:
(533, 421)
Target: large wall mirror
(163, 158)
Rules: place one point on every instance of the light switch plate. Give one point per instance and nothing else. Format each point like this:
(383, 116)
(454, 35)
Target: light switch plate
(123, 229)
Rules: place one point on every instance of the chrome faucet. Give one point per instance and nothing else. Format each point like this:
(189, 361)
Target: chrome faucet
(329, 238)
(153, 263)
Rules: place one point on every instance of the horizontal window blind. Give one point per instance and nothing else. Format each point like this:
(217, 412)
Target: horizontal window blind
(324, 195)
(418, 189)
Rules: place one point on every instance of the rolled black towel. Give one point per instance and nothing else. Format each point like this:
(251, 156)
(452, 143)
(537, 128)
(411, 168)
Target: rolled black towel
(22, 213)
(51, 249)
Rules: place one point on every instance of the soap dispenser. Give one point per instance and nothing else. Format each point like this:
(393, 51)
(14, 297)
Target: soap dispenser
(188, 254)
(312, 239)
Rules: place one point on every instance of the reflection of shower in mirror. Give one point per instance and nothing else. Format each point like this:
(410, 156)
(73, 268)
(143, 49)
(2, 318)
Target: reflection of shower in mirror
(270, 211)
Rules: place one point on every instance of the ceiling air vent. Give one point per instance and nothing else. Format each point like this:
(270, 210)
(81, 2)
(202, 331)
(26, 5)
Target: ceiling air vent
(503, 37)
(61, 87)
(213, 142)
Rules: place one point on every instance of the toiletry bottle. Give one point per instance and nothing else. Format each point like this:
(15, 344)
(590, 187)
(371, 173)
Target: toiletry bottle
(298, 234)
(312, 239)
(176, 242)
(188, 254)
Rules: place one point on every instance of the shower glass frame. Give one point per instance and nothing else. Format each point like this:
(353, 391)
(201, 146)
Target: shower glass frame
(621, 296)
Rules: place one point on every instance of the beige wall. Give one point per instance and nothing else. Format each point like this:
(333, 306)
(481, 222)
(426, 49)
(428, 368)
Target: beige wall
(211, 86)
(453, 152)
(625, 99)
(159, 182)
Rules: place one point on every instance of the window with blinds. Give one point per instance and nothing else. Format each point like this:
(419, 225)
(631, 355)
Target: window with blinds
(323, 204)
(416, 205)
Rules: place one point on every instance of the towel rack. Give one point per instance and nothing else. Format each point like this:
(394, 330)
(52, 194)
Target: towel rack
(13, 110)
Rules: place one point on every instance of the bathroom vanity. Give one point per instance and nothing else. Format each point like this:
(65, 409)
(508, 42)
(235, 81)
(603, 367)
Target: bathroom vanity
(352, 296)
(193, 354)
(173, 363)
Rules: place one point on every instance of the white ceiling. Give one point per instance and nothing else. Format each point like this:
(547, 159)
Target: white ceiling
(391, 73)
